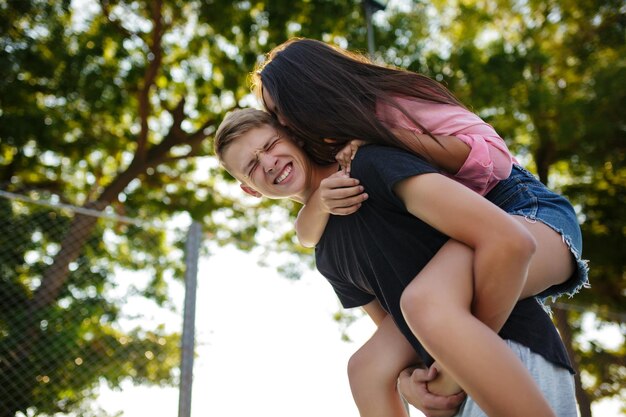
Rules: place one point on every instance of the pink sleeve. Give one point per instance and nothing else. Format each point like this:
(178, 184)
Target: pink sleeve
(489, 160)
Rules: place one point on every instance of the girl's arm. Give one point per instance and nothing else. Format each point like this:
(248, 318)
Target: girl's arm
(338, 194)
(479, 164)
(311, 221)
(502, 247)
(477, 161)
(446, 152)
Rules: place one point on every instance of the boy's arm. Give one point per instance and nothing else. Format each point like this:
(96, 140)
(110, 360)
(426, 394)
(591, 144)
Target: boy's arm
(413, 384)
(375, 311)
(338, 194)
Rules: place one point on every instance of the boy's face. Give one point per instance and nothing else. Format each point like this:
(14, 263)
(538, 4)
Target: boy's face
(268, 163)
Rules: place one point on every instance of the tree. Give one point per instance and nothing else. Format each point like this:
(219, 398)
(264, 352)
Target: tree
(544, 74)
(110, 107)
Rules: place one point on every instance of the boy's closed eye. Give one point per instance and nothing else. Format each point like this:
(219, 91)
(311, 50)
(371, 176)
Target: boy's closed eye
(268, 147)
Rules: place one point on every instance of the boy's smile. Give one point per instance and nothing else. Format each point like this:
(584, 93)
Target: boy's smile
(268, 162)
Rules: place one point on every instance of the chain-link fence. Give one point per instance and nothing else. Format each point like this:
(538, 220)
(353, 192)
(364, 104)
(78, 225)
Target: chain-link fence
(90, 301)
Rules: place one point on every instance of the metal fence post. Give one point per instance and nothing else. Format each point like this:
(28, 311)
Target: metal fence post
(192, 250)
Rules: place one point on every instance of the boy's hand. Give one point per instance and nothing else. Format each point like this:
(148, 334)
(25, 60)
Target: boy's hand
(346, 154)
(443, 384)
(413, 385)
(340, 194)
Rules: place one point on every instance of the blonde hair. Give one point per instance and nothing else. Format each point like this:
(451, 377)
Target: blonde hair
(236, 124)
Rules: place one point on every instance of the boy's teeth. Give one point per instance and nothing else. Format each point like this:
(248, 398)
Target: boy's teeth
(284, 175)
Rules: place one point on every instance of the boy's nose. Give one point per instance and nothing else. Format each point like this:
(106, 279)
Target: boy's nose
(269, 162)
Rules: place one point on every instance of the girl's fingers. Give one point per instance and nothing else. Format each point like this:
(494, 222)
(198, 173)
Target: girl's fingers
(348, 205)
(341, 193)
(344, 211)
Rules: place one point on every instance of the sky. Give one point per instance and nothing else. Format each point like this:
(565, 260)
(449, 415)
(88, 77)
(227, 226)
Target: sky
(266, 346)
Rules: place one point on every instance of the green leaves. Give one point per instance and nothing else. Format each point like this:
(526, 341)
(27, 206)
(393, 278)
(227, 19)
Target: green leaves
(114, 105)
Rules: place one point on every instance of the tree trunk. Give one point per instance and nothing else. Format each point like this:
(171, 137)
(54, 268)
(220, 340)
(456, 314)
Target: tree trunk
(584, 402)
(543, 159)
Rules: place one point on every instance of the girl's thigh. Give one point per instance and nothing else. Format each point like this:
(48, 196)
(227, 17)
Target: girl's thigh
(552, 263)
(447, 279)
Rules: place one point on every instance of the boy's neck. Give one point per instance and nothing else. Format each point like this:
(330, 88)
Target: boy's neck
(317, 175)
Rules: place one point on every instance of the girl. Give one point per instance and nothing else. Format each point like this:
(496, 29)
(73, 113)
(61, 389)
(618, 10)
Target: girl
(321, 92)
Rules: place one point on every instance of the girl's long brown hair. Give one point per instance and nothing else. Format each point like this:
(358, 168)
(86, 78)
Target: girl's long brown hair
(325, 92)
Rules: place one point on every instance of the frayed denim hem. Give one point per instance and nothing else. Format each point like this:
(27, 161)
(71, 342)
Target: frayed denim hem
(580, 277)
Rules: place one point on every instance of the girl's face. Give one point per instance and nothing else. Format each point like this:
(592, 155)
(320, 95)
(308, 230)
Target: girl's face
(271, 107)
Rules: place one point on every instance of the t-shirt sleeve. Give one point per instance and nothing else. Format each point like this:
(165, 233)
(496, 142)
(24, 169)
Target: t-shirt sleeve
(380, 168)
(349, 295)
(488, 162)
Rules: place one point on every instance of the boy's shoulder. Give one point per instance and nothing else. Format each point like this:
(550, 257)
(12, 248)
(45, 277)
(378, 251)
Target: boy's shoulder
(385, 160)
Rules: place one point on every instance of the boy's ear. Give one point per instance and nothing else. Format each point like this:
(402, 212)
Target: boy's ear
(250, 190)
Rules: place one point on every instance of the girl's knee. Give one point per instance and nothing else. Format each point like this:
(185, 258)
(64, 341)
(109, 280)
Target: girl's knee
(418, 309)
(414, 299)
(427, 314)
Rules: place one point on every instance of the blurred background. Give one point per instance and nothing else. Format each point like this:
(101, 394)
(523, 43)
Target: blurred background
(137, 279)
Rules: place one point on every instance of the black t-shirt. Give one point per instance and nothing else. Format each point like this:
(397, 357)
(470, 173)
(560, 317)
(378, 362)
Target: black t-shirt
(377, 251)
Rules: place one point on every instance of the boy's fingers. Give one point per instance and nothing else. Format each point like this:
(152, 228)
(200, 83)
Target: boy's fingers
(412, 384)
(422, 375)
(433, 372)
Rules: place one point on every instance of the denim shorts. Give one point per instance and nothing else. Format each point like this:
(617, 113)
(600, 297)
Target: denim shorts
(524, 195)
(556, 384)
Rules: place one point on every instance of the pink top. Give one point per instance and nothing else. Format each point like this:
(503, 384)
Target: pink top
(489, 160)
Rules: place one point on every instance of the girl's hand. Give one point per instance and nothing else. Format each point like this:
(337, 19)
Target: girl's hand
(340, 194)
(346, 154)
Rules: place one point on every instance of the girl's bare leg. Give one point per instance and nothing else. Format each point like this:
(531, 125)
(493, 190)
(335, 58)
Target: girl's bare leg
(551, 264)
(437, 306)
(373, 372)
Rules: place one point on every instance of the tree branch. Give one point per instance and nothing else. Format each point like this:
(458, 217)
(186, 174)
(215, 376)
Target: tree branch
(159, 153)
(106, 11)
(154, 63)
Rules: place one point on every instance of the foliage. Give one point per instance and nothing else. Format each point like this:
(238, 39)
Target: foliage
(544, 73)
(111, 104)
